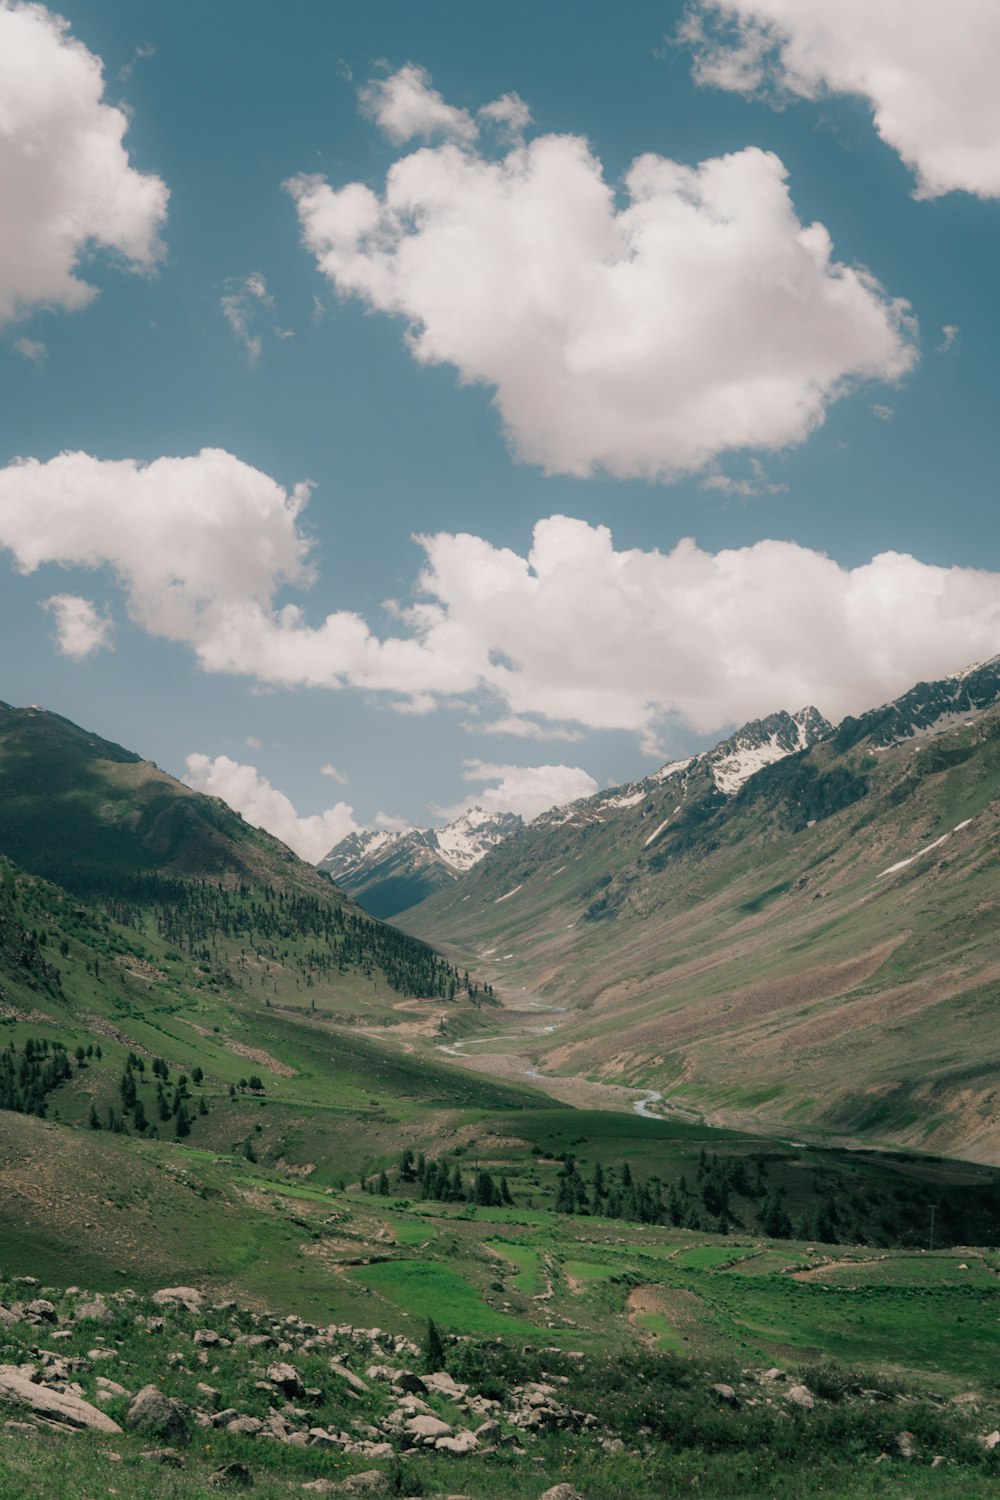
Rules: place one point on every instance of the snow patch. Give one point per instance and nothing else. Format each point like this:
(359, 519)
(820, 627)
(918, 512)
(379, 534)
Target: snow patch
(507, 895)
(901, 864)
(655, 833)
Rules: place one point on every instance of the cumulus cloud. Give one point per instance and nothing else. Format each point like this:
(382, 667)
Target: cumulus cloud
(65, 178)
(949, 338)
(927, 70)
(528, 790)
(243, 302)
(245, 790)
(406, 105)
(574, 633)
(334, 774)
(81, 629)
(699, 316)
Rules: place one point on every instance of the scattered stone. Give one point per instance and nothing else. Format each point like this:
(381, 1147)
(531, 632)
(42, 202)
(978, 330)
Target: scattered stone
(287, 1379)
(354, 1381)
(904, 1445)
(426, 1430)
(800, 1396)
(248, 1426)
(561, 1492)
(368, 1482)
(55, 1406)
(168, 1456)
(41, 1308)
(159, 1415)
(774, 1374)
(97, 1312)
(991, 1441)
(464, 1441)
(235, 1476)
(725, 1394)
(442, 1383)
(179, 1296)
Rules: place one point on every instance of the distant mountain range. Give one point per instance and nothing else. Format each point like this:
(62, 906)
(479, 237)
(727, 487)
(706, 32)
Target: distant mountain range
(801, 924)
(387, 872)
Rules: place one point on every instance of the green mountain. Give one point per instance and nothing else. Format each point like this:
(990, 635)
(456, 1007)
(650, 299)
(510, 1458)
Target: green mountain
(817, 949)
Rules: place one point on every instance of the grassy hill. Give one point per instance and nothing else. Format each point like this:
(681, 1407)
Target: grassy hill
(818, 951)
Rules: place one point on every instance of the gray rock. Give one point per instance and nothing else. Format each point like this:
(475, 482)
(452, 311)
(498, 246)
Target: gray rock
(464, 1441)
(57, 1406)
(800, 1396)
(41, 1308)
(561, 1492)
(442, 1383)
(247, 1426)
(725, 1394)
(904, 1445)
(97, 1312)
(369, 1482)
(168, 1456)
(427, 1429)
(159, 1415)
(179, 1296)
(991, 1441)
(287, 1379)
(354, 1381)
(235, 1476)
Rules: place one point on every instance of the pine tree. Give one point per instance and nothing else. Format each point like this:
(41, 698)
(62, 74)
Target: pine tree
(433, 1350)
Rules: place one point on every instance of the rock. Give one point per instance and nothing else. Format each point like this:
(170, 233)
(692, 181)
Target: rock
(991, 1441)
(904, 1445)
(354, 1381)
(41, 1308)
(427, 1429)
(206, 1337)
(773, 1374)
(410, 1383)
(368, 1482)
(247, 1426)
(111, 1388)
(159, 1415)
(725, 1394)
(235, 1476)
(287, 1379)
(209, 1395)
(179, 1296)
(168, 1456)
(800, 1396)
(464, 1441)
(561, 1492)
(488, 1433)
(97, 1312)
(442, 1383)
(937, 1460)
(56, 1406)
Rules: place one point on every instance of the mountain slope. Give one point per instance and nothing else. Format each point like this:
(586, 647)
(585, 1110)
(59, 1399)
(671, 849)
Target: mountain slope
(818, 947)
(387, 872)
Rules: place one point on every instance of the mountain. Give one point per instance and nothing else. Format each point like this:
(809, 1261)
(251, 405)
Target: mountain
(813, 944)
(388, 872)
(98, 821)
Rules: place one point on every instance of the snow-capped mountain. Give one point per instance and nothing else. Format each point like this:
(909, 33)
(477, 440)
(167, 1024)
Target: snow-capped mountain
(387, 872)
(928, 709)
(728, 765)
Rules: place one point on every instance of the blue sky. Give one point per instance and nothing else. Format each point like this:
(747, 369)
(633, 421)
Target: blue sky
(495, 324)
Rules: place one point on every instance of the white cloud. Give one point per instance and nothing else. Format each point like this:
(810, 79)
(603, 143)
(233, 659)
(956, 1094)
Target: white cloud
(334, 774)
(528, 790)
(65, 179)
(949, 338)
(508, 115)
(252, 742)
(406, 105)
(928, 71)
(245, 790)
(241, 303)
(699, 317)
(80, 627)
(573, 634)
(884, 412)
(523, 729)
(32, 349)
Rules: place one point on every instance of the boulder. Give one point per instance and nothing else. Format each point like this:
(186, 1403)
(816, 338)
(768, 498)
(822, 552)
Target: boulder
(368, 1482)
(43, 1309)
(442, 1383)
(725, 1394)
(427, 1430)
(55, 1406)
(235, 1476)
(561, 1492)
(159, 1415)
(463, 1442)
(168, 1456)
(991, 1441)
(97, 1312)
(354, 1381)
(287, 1379)
(179, 1296)
(800, 1396)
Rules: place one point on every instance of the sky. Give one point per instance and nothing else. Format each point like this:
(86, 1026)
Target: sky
(411, 406)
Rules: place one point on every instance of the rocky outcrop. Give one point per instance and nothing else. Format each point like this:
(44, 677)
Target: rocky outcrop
(18, 1389)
